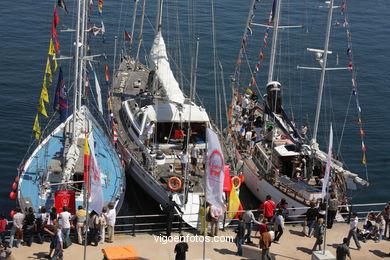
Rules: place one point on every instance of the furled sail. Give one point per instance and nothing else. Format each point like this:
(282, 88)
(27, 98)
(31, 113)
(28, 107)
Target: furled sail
(158, 61)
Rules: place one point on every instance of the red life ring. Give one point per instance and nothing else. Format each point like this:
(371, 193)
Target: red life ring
(174, 183)
(236, 182)
(12, 195)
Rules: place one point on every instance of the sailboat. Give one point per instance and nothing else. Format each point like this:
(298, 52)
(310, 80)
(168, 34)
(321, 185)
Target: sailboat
(157, 125)
(77, 160)
(281, 162)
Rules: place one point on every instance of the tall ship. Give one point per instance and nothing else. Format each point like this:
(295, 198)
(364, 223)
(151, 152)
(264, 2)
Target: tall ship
(276, 157)
(160, 129)
(74, 159)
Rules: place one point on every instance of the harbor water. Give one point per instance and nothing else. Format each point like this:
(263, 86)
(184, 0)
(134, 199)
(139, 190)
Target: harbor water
(24, 40)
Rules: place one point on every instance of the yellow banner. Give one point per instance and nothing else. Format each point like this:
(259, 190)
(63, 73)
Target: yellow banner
(51, 48)
(41, 107)
(37, 128)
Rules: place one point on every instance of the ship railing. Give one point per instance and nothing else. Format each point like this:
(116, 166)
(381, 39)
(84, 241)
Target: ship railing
(156, 223)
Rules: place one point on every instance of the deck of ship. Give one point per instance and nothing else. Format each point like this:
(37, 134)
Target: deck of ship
(293, 246)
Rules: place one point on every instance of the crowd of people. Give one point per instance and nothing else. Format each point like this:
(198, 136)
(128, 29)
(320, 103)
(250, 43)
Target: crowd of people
(56, 228)
(319, 217)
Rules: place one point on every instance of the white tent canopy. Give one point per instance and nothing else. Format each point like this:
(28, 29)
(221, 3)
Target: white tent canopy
(158, 60)
(176, 113)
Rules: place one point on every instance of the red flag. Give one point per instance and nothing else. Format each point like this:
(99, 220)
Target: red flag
(56, 20)
(127, 36)
(87, 158)
(56, 45)
(106, 72)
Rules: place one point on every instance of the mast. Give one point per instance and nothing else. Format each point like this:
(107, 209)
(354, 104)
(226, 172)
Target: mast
(76, 71)
(274, 41)
(141, 26)
(323, 70)
(133, 24)
(82, 65)
(159, 16)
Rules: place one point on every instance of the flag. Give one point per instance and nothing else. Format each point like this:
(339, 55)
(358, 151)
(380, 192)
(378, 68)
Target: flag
(328, 164)
(96, 203)
(90, 4)
(103, 27)
(48, 71)
(61, 98)
(234, 204)
(62, 4)
(100, 7)
(273, 10)
(56, 20)
(56, 45)
(87, 158)
(44, 93)
(364, 159)
(51, 48)
(215, 166)
(127, 36)
(41, 107)
(37, 128)
(99, 94)
(55, 63)
(106, 72)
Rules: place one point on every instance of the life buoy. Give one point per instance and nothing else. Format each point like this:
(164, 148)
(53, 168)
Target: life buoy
(236, 182)
(14, 186)
(12, 195)
(174, 183)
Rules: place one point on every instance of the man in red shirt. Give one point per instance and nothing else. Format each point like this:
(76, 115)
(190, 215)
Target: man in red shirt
(268, 207)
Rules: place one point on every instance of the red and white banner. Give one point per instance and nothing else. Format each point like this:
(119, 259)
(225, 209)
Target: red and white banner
(328, 164)
(96, 195)
(215, 168)
(65, 198)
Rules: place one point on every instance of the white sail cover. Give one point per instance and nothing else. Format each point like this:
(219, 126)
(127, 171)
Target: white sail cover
(158, 61)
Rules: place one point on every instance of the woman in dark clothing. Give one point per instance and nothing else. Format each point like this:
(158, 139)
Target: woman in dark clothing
(29, 227)
(93, 224)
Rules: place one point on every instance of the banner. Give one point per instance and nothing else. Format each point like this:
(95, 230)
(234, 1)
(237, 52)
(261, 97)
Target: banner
(99, 93)
(65, 198)
(215, 167)
(96, 195)
(328, 164)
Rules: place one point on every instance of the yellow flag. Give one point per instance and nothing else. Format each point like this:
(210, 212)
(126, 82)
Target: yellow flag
(234, 203)
(364, 159)
(55, 63)
(51, 48)
(48, 71)
(37, 128)
(44, 93)
(248, 90)
(41, 107)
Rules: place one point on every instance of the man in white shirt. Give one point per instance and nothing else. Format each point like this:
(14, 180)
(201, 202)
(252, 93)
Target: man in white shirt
(194, 156)
(149, 132)
(110, 218)
(353, 230)
(183, 156)
(245, 105)
(65, 217)
(17, 226)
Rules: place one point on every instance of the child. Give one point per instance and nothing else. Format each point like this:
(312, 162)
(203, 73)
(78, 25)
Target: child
(319, 234)
(381, 231)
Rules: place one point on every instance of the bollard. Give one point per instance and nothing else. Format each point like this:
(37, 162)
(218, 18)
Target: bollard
(134, 218)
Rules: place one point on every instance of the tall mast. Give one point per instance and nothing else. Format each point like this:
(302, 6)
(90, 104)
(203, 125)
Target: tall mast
(323, 70)
(76, 71)
(159, 16)
(274, 41)
(82, 64)
(133, 24)
(141, 26)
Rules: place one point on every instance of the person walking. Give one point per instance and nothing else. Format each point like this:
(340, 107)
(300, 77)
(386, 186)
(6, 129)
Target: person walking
(311, 217)
(79, 221)
(279, 225)
(3, 227)
(342, 250)
(183, 156)
(17, 228)
(181, 249)
(93, 225)
(149, 128)
(381, 228)
(268, 208)
(65, 217)
(265, 244)
(216, 213)
(110, 218)
(353, 226)
(332, 210)
(204, 223)
(59, 244)
(194, 157)
(170, 211)
(249, 219)
(240, 235)
(319, 234)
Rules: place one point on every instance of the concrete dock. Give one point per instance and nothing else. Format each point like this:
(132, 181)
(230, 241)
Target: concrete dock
(293, 246)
